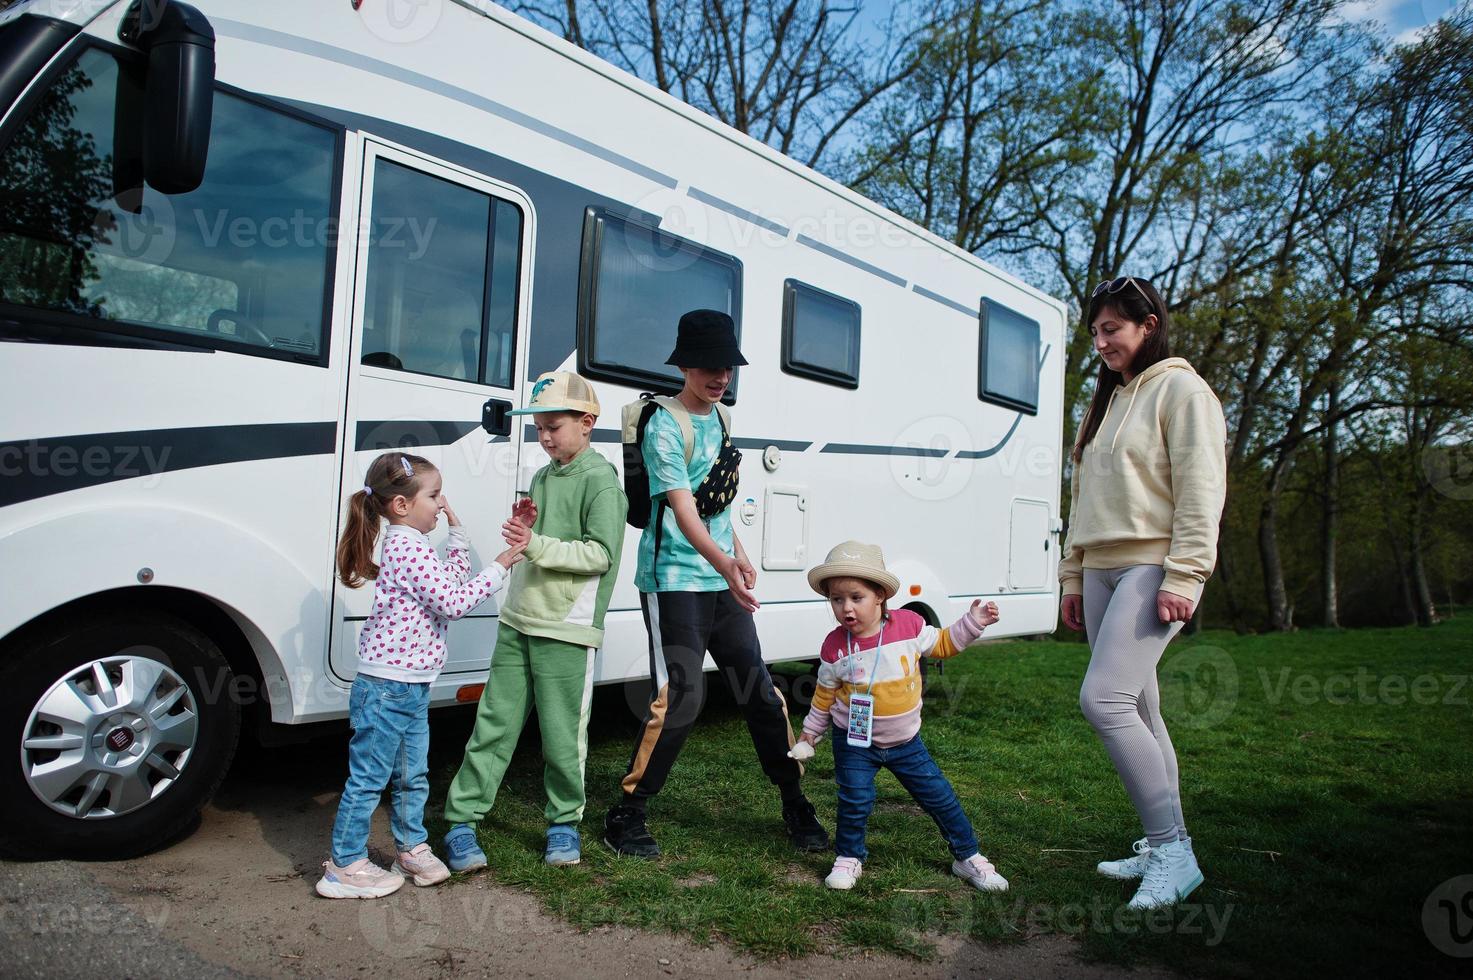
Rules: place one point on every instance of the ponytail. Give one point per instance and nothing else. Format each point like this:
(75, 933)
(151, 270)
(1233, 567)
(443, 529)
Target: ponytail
(391, 475)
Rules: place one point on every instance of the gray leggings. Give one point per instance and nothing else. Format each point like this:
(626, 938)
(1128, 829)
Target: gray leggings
(1119, 696)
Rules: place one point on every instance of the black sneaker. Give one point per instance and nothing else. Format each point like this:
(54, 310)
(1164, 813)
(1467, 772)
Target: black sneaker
(625, 832)
(804, 830)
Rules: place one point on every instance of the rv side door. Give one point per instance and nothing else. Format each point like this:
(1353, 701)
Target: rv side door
(438, 342)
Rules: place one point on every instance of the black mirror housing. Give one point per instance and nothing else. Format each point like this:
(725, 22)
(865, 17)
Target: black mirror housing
(179, 96)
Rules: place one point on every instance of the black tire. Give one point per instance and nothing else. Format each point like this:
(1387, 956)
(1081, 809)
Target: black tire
(30, 827)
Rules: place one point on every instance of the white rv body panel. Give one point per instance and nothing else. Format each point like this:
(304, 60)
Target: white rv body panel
(912, 458)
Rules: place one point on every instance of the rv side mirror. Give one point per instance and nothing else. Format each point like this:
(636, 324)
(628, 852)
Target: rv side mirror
(179, 94)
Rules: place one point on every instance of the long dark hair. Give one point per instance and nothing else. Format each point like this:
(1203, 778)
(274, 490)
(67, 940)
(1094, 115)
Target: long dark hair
(1128, 303)
(387, 477)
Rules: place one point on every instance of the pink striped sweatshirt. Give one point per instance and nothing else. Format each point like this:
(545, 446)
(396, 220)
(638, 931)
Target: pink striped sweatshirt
(415, 597)
(890, 673)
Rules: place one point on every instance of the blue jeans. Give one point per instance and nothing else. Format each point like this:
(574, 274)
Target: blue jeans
(855, 770)
(390, 746)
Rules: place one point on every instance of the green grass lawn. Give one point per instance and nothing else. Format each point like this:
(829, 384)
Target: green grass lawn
(1327, 780)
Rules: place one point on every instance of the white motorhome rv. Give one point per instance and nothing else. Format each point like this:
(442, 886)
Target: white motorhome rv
(246, 247)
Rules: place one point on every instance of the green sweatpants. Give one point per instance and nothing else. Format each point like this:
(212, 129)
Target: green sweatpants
(558, 676)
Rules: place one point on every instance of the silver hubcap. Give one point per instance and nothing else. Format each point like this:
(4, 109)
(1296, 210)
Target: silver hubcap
(110, 736)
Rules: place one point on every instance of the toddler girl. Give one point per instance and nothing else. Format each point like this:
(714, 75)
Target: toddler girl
(400, 652)
(869, 684)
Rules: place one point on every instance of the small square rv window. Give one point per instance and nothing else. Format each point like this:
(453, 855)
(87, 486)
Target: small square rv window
(1007, 361)
(636, 282)
(820, 335)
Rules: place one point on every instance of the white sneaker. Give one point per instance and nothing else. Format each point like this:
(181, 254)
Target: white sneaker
(980, 874)
(846, 872)
(1171, 875)
(361, 879)
(1127, 869)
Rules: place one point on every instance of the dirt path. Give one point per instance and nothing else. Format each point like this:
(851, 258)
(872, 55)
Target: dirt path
(236, 895)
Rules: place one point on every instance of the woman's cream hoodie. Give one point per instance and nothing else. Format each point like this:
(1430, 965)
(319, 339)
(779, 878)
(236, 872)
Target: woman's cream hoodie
(1150, 486)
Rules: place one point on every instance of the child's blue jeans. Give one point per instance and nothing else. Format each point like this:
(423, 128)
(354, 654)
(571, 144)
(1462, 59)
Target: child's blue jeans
(390, 747)
(855, 770)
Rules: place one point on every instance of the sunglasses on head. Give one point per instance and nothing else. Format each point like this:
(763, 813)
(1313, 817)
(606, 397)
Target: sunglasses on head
(1112, 286)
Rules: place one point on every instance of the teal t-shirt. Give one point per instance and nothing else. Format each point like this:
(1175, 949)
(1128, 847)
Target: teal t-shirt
(681, 568)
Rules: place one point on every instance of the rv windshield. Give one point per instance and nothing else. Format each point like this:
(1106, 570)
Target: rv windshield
(241, 262)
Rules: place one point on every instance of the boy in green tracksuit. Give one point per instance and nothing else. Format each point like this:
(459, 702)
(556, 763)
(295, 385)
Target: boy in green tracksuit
(551, 624)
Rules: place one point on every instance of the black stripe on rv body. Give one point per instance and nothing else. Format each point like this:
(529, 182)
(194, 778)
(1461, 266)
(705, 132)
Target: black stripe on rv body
(411, 433)
(843, 256)
(606, 436)
(950, 304)
(32, 468)
(734, 210)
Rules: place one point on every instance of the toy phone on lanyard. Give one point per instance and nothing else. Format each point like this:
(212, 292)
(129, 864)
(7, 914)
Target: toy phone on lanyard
(862, 706)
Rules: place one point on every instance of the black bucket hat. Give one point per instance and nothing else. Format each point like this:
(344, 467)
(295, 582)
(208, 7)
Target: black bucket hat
(706, 339)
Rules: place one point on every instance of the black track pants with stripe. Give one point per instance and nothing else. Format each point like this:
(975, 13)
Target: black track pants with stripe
(682, 627)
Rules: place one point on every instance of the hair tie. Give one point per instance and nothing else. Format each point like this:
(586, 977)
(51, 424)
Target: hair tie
(408, 470)
(368, 490)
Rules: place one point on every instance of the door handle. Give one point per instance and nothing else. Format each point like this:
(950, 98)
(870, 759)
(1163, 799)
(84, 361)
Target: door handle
(496, 417)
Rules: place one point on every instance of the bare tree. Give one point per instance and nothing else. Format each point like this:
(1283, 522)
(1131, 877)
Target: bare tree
(975, 144)
(796, 74)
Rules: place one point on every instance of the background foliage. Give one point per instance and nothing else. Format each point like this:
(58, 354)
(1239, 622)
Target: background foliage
(1298, 185)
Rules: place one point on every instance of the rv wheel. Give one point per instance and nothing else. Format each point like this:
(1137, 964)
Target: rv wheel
(120, 731)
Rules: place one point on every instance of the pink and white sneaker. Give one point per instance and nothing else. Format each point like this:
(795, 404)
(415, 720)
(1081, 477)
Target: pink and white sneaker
(420, 865)
(846, 872)
(980, 874)
(361, 879)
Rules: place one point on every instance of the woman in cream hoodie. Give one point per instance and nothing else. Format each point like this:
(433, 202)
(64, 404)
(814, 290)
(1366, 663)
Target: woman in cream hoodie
(1148, 488)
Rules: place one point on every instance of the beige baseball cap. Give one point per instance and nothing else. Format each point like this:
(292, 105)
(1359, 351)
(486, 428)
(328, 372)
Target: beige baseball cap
(560, 391)
(855, 559)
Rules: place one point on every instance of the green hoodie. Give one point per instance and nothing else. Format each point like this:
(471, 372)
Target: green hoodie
(561, 590)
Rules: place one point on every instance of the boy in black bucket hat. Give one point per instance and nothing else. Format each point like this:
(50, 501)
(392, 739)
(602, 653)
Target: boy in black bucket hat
(695, 587)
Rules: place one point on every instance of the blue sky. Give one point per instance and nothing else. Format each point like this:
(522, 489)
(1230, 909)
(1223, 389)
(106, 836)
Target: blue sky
(1400, 19)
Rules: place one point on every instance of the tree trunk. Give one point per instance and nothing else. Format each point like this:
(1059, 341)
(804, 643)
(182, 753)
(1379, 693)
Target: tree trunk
(1421, 593)
(1330, 518)
(1409, 605)
(1225, 574)
(1275, 594)
(1280, 612)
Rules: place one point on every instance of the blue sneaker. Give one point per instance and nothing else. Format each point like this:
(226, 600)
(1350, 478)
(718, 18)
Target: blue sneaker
(562, 845)
(460, 844)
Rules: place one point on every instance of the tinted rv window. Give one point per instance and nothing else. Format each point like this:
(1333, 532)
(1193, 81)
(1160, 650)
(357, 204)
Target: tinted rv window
(820, 335)
(1007, 369)
(442, 278)
(635, 284)
(239, 263)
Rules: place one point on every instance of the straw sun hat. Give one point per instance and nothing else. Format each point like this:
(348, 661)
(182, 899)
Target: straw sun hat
(855, 559)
